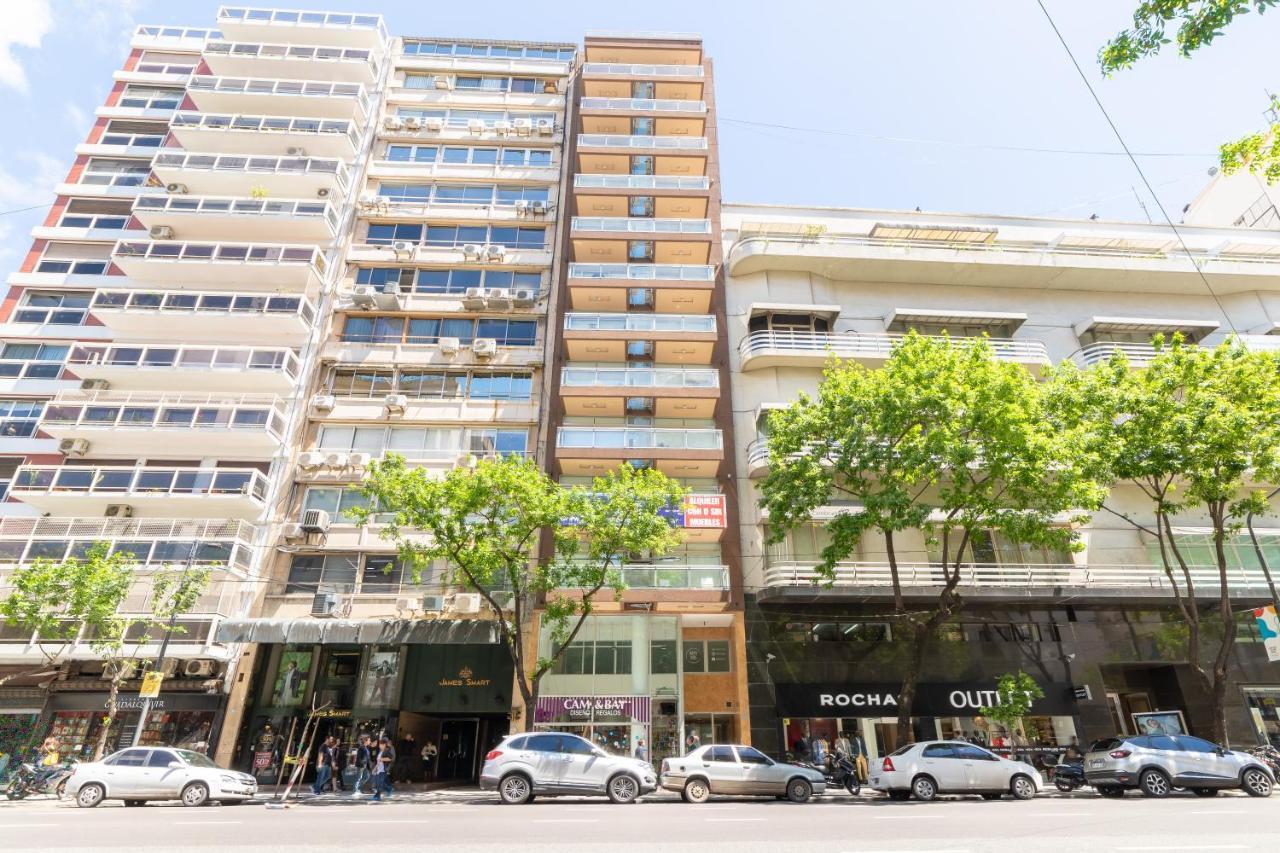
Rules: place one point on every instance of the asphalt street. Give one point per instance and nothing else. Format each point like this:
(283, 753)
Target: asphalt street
(470, 822)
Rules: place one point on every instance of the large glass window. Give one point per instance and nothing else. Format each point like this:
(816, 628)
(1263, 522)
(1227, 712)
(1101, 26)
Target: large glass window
(336, 501)
(18, 418)
(308, 573)
(62, 308)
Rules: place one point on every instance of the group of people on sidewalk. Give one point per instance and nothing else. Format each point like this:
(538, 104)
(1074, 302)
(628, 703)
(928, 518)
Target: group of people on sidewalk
(374, 758)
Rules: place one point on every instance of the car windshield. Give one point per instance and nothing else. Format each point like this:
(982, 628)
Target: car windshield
(195, 759)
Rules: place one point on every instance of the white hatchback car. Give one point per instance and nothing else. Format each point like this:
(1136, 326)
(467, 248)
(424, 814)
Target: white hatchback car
(140, 774)
(934, 767)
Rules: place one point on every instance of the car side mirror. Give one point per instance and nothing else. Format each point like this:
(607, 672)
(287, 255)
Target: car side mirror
(175, 765)
(1222, 750)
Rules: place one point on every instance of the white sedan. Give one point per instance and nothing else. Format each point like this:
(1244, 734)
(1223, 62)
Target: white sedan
(925, 770)
(140, 774)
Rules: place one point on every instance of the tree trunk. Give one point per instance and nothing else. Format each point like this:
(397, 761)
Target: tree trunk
(112, 707)
(898, 604)
(910, 678)
(1226, 613)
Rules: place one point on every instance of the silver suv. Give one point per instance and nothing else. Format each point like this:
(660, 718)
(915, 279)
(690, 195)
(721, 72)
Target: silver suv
(1157, 763)
(526, 765)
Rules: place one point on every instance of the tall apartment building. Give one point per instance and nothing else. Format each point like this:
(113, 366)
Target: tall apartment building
(1093, 627)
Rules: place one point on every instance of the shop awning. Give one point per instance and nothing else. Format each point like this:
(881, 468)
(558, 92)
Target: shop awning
(362, 631)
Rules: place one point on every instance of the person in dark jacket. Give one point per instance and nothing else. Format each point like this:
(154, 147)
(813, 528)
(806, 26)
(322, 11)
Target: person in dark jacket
(364, 765)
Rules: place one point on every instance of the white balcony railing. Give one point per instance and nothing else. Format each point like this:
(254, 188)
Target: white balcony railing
(642, 182)
(282, 125)
(582, 321)
(645, 272)
(641, 225)
(300, 53)
(644, 105)
(227, 206)
(203, 358)
(673, 143)
(231, 254)
(632, 70)
(252, 165)
(298, 18)
(182, 33)
(164, 303)
(638, 438)
(640, 377)
(203, 413)
(281, 88)
(153, 542)
(121, 481)
(869, 345)
(991, 575)
(675, 576)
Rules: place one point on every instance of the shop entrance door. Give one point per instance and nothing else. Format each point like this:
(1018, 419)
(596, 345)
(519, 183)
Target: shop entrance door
(457, 759)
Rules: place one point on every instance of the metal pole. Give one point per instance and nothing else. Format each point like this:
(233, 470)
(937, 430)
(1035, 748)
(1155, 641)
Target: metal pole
(164, 646)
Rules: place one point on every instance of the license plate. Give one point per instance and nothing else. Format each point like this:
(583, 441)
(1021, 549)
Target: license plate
(1097, 762)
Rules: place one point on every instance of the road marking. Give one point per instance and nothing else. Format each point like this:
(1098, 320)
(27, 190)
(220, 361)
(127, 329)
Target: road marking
(566, 820)
(907, 817)
(1191, 847)
(380, 822)
(922, 850)
(732, 819)
(1055, 814)
(206, 822)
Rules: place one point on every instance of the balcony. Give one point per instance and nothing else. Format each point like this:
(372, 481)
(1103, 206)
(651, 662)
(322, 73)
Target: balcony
(475, 98)
(188, 315)
(699, 441)
(74, 490)
(757, 457)
(229, 218)
(250, 265)
(257, 370)
(280, 61)
(616, 69)
(669, 338)
(368, 352)
(437, 409)
(611, 141)
(642, 105)
(250, 22)
(516, 65)
(669, 392)
(521, 212)
(154, 542)
(633, 379)
(1138, 355)
(132, 424)
(235, 174)
(763, 349)
(699, 183)
(626, 273)
(319, 98)
(430, 253)
(411, 170)
(168, 38)
(659, 323)
(640, 225)
(792, 581)
(252, 134)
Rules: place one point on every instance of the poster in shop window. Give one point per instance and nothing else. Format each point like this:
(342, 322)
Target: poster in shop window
(1160, 723)
(380, 677)
(291, 679)
(1269, 628)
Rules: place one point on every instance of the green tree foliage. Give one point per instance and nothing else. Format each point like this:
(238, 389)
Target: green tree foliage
(944, 438)
(1016, 692)
(57, 599)
(1199, 22)
(482, 526)
(1197, 431)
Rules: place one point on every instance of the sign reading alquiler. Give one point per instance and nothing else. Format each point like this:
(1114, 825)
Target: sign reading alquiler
(933, 699)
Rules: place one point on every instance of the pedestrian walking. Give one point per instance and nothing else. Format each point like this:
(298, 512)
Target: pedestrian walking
(381, 774)
(339, 756)
(364, 765)
(642, 752)
(324, 766)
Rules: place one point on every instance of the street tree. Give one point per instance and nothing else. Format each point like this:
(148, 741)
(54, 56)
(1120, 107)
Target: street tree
(480, 526)
(944, 438)
(1016, 692)
(1196, 431)
(80, 599)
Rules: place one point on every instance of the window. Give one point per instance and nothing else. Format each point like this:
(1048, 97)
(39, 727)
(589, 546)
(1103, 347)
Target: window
(129, 758)
(544, 743)
(706, 656)
(381, 234)
(1195, 744)
(640, 250)
(973, 753)
(381, 574)
(596, 657)
(32, 361)
(150, 97)
(575, 746)
(1161, 742)
(362, 383)
(161, 758)
(501, 386)
(18, 418)
(59, 308)
(368, 439)
(720, 754)
(662, 657)
(939, 750)
(335, 501)
(518, 743)
(751, 755)
(497, 442)
(307, 574)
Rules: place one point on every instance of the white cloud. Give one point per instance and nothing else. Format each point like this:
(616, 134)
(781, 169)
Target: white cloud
(111, 22)
(78, 118)
(26, 23)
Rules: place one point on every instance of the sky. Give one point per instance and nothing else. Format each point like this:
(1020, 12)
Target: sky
(901, 104)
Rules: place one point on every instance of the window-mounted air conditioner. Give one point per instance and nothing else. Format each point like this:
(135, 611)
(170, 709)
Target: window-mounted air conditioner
(475, 126)
(326, 605)
(433, 123)
(432, 603)
(523, 126)
(498, 298)
(503, 127)
(443, 82)
(119, 511)
(546, 127)
(524, 297)
(361, 460)
(176, 188)
(337, 459)
(495, 253)
(465, 603)
(473, 298)
(472, 251)
(413, 123)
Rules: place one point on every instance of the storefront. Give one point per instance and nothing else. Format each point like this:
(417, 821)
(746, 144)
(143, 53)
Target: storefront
(1263, 703)
(187, 720)
(19, 713)
(614, 723)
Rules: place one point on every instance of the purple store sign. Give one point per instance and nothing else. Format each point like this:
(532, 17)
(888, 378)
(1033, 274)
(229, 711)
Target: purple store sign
(587, 709)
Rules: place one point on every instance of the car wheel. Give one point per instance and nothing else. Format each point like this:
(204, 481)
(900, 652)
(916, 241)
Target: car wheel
(195, 794)
(1110, 791)
(515, 790)
(1154, 783)
(799, 790)
(132, 804)
(697, 791)
(924, 788)
(992, 796)
(90, 796)
(1022, 788)
(899, 796)
(623, 789)
(1255, 783)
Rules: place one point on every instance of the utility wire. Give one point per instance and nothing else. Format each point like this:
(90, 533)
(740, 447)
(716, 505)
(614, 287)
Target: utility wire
(24, 209)
(1134, 160)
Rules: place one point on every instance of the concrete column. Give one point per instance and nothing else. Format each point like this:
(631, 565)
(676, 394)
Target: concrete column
(640, 637)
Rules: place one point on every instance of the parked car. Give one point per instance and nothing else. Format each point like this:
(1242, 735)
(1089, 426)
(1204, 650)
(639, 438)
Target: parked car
(929, 768)
(1156, 764)
(740, 770)
(522, 767)
(141, 774)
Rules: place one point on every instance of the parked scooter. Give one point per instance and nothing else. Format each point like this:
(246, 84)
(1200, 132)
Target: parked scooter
(844, 772)
(26, 781)
(1269, 756)
(1068, 776)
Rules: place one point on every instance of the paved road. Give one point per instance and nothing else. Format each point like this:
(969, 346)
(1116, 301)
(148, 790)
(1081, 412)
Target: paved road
(471, 823)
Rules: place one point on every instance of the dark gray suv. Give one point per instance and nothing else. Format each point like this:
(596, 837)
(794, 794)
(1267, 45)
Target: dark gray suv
(1156, 764)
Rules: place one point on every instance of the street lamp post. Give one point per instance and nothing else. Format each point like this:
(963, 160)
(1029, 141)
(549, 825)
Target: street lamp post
(145, 712)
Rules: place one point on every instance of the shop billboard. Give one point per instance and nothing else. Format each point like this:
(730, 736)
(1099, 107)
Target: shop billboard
(1269, 628)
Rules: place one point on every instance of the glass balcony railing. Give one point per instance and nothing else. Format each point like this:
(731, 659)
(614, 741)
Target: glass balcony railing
(640, 377)
(675, 577)
(645, 272)
(175, 302)
(870, 345)
(284, 88)
(238, 359)
(581, 321)
(638, 438)
(610, 140)
(641, 225)
(297, 18)
(266, 124)
(222, 253)
(252, 165)
(224, 206)
(145, 411)
(151, 542)
(300, 52)
(181, 68)
(130, 481)
(113, 179)
(644, 104)
(642, 182)
(632, 70)
(177, 32)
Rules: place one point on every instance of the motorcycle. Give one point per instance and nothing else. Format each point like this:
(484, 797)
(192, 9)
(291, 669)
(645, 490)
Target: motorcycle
(26, 782)
(844, 773)
(1068, 776)
(1269, 756)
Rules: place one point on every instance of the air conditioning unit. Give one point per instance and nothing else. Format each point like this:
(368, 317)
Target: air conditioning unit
(119, 511)
(449, 346)
(368, 199)
(199, 668)
(337, 459)
(475, 126)
(364, 296)
(395, 403)
(473, 298)
(432, 603)
(523, 126)
(315, 521)
(443, 82)
(361, 460)
(413, 123)
(495, 253)
(94, 385)
(296, 152)
(291, 530)
(466, 603)
(169, 668)
(73, 447)
(538, 207)
(498, 298)
(161, 232)
(503, 127)
(176, 189)
(434, 123)
(522, 207)
(546, 126)
(310, 459)
(472, 251)
(484, 347)
(393, 122)
(326, 604)
(323, 403)
(404, 249)
(323, 192)
(524, 297)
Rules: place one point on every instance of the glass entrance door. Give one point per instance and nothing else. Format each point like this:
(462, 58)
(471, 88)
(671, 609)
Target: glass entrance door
(457, 758)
